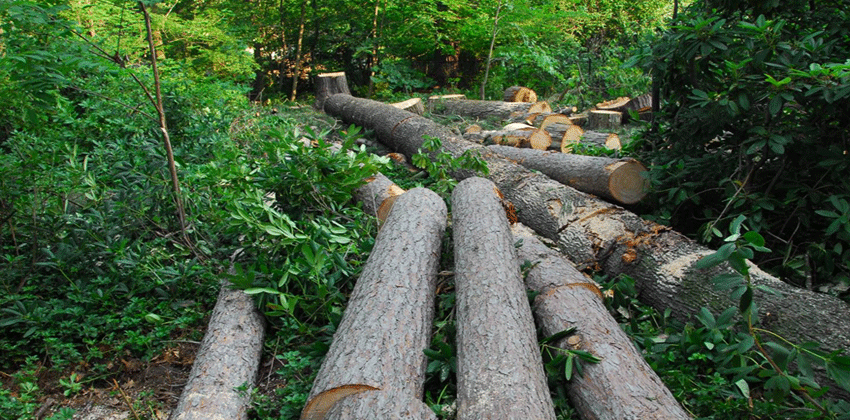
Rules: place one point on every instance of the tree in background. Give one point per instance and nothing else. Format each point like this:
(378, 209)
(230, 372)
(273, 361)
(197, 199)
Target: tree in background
(755, 119)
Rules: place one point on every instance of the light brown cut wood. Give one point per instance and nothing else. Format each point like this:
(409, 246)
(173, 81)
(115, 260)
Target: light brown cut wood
(604, 120)
(379, 405)
(554, 119)
(378, 189)
(620, 386)
(595, 233)
(328, 84)
(519, 94)
(614, 104)
(522, 137)
(579, 119)
(228, 358)
(499, 367)
(619, 180)
(572, 136)
(387, 323)
(413, 105)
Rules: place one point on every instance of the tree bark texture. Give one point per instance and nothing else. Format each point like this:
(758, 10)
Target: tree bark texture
(620, 180)
(594, 233)
(379, 405)
(621, 385)
(379, 344)
(228, 358)
(328, 84)
(604, 120)
(375, 193)
(520, 94)
(488, 109)
(499, 367)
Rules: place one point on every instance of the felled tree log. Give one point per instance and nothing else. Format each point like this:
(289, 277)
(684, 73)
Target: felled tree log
(614, 104)
(435, 100)
(621, 385)
(378, 346)
(413, 105)
(488, 109)
(542, 120)
(499, 367)
(328, 84)
(595, 233)
(620, 180)
(378, 404)
(228, 358)
(520, 94)
(529, 137)
(604, 120)
(378, 196)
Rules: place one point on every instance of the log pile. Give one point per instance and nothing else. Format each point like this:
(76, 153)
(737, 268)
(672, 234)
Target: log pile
(375, 367)
(599, 235)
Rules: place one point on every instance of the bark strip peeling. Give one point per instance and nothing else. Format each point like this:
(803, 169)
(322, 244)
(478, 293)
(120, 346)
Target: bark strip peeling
(621, 385)
(379, 344)
(499, 368)
(594, 233)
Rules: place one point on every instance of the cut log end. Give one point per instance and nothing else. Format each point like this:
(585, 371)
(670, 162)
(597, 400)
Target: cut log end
(413, 105)
(319, 405)
(519, 94)
(627, 182)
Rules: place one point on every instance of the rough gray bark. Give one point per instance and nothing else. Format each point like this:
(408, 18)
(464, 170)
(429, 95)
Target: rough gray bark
(499, 368)
(375, 193)
(328, 84)
(228, 358)
(594, 233)
(620, 180)
(487, 109)
(380, 341)
(605, 120)
(380, 405)
(621, 385)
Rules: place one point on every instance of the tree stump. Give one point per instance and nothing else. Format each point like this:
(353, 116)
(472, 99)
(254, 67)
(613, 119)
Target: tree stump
(604, 120)
(329, 84)
(520, 94)
(499, 368)
(620, 180)
(228, 358)
(413, 105)
(380, 342)
(621, 385)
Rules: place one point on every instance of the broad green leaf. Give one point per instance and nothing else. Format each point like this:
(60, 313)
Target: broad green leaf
(746, 300)
(744, 387)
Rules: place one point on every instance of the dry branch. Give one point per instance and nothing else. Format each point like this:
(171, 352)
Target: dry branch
(499, 368)
(378, 346)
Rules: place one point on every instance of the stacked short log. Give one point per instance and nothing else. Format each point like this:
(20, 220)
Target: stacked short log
(499, 367)
(375, 367)
(520, 94)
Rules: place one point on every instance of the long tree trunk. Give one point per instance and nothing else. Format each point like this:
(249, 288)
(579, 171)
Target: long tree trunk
(379, 344)
(593, 233)
(228, 358)
(296, 72)
(621, 385)
(499, 367)
(620, 180)
(486, 109)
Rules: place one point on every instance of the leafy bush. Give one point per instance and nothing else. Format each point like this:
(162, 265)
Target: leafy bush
(754, 121)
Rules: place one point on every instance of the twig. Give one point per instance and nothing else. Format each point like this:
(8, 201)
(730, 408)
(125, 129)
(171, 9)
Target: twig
(126, 400)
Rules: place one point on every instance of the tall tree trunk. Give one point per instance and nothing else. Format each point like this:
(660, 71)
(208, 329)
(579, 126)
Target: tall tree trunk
(593, 233)
(490, 52)
(373, 58)
(499, 367)
(296, 73)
